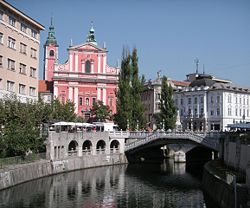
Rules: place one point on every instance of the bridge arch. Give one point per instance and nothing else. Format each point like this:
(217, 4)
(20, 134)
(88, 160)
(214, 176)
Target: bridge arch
(100, 147)
(199, 154)
(87, 147)
(72, 148)
(114, 146)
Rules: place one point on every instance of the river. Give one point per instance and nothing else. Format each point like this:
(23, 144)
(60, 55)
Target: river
(136, 186)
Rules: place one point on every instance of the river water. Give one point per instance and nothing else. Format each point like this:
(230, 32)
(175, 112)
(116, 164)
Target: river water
(136, 186)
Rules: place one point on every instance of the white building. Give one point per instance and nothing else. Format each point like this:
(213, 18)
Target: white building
(209, 103)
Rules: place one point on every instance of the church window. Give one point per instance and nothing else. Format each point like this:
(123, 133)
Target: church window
(51, 53)
(87, 101)
(80, 101)
(87, 67)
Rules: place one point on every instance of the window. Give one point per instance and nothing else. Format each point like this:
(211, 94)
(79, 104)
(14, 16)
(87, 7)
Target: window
(195, 100)
(189, 112)
(218, 99)
(244, 101)
(93, 100)
(111, 102)
(229, 111)
(11, 43)
(1, 38)
(33, 33)
(240, 100)
(87, 101)
(247, 101)
(32, 91)
(218, 111)
(10, 86)
(80, 101)
(229, 100)
(11, 64)
(211, 99)
(22, 89)
(23, 48)
(189, 100)
(195, 111)
(181, 101)
(12, 21)
(33, 53)
(201, 99)
(22, 68)
(236, 100)
(1, 61)
(202, 111)
(240, 112)
(32, 72)
(211, 112)
(23, 28)
(87, 66)
(51, 53)
(236, 111)
(247, 113)
(181, 112)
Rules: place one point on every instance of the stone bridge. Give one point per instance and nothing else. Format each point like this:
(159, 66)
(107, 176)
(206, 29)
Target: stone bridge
(148, 146)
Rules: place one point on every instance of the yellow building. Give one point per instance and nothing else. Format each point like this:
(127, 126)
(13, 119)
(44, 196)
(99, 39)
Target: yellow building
(19, 53)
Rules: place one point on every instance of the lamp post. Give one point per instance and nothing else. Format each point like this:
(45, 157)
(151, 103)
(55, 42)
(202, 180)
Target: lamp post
(163, 124)
(127, 124)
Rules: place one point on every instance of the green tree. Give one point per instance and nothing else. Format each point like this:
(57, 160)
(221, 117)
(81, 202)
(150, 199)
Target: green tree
(124, 105)
(168, 111)
(138, 109)
(100, 112)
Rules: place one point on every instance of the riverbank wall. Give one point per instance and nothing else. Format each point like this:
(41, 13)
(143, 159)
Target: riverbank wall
(219, 187)
(11, 176)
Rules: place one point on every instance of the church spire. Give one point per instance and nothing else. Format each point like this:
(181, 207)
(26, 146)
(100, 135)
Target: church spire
(91, 35)
(51, 39)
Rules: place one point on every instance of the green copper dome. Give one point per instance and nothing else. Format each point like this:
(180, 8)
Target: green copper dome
(91, 35)
(51, 39)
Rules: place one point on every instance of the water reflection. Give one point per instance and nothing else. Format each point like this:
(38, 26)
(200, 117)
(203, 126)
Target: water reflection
(166, 185)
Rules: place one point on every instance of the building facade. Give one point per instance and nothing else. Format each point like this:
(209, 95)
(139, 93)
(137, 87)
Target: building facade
(19, 53)
(209, 104)
(85, 77)
(152, 94)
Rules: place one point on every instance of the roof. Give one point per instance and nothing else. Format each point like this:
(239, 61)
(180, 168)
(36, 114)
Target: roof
(23, 15)
(202, 82)
(45, 86)
(180, 83)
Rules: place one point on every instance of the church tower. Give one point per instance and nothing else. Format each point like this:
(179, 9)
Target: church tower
(50, 53)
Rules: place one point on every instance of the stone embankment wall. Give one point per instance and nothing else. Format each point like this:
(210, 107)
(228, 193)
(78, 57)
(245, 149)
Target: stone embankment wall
(22, 173)
(221, 190)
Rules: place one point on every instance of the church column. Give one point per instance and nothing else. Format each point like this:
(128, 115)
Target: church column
(99, 63)
(70, 62)
(71, 93)
(98, 93)
(104, 64)
(56, 91)
(76, 62)
(76, 99)
(83, 66)
(104, 96)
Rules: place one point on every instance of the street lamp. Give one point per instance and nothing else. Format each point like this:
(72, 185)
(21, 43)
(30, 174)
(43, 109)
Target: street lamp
(163, 124)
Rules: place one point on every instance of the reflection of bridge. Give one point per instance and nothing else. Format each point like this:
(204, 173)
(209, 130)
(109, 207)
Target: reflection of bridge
(148, 145)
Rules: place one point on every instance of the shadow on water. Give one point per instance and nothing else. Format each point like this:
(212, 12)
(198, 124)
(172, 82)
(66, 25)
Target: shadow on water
(138, 185)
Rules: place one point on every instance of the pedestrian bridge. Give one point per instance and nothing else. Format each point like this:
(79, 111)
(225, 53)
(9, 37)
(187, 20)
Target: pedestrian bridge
(141, 145)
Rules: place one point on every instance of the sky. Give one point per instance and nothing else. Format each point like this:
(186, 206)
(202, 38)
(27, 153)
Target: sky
(168, 34)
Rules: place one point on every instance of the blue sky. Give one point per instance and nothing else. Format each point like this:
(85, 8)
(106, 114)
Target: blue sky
(168, 34)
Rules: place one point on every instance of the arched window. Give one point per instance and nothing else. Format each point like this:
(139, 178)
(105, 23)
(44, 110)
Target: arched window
(51, 53)
(87, 66)
(87, 101)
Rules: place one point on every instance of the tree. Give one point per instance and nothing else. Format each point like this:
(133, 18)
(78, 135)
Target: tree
(123, 104)
(100, 112)
(168, 111)
(138, 116)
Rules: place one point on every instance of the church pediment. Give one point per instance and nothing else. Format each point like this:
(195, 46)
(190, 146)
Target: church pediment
(87, 47)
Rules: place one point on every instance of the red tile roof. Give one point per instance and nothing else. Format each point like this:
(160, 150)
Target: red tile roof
(181, 83)
(45, 86)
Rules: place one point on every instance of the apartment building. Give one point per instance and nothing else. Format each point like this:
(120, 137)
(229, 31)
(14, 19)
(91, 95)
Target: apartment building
(19, 53)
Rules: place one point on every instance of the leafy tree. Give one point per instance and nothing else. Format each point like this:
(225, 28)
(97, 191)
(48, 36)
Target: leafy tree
(124, 105)
(100, 112)
(168, 111)
(130, 110)
(138, 117)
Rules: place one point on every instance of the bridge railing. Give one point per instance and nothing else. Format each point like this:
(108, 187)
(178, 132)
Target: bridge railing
(145, 137)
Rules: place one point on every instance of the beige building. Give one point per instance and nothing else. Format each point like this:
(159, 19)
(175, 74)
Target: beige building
(19, 53)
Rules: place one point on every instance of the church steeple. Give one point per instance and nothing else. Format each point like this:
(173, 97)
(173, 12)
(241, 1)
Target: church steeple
(51, 39)
(91, 35)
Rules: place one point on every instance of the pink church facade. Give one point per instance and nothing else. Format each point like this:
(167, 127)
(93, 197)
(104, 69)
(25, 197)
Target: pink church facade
(85, 77)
